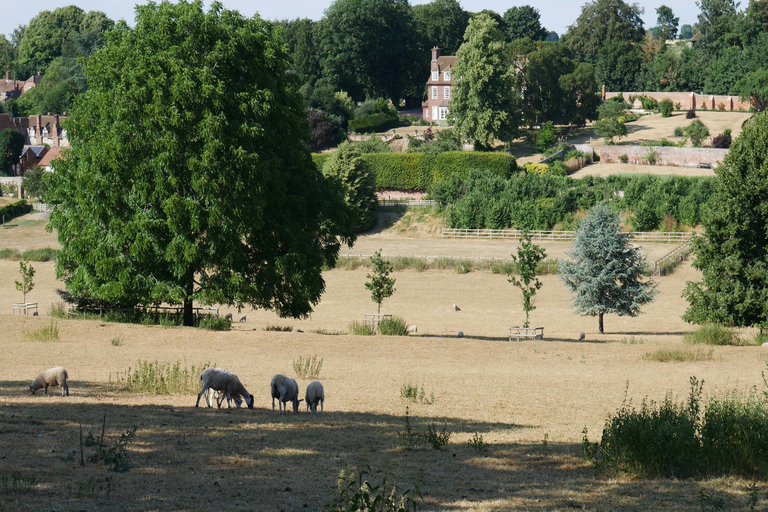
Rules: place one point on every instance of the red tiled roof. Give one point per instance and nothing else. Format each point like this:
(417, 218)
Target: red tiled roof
(50, 156)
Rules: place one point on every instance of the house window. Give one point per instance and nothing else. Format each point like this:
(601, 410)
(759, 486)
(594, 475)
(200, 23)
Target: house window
(446, 75)
(443, 113)
(447, 93)
(434, 93)
(435, 76)
(434, 112)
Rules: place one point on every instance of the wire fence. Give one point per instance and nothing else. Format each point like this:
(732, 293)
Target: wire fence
(561, 236)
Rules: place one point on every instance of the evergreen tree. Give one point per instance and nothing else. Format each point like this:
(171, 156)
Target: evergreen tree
(666, 23)
(605, 270)
(733, 253)
(529, 255)
(380, 284)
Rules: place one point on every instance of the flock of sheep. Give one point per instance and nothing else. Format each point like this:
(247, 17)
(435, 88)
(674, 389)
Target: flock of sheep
(217, 380)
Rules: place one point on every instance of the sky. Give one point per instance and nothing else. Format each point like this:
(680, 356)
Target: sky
(555, 15)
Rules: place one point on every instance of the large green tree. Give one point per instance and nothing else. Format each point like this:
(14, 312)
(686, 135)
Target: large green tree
(7, 55)
(440, 23)
(618, 65)
(733, 253)
(754, 87)
(601, 21)
(347, 165)
(605, 271)
(524, 21)
(45, 37)
(666, 23)
(483, 107)
(717, 23)
(11, 146)
(188, 179)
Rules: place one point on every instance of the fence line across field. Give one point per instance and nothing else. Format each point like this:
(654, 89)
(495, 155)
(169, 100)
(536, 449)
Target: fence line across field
(517, 234)
(676, 255)
(407, 202)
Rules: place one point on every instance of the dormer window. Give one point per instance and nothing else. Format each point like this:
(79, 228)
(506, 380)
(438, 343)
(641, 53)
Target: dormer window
(446, 75)
(435, 76)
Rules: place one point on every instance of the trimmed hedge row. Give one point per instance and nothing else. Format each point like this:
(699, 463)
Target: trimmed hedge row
(419, 171)
(374, 123)
(12, 210)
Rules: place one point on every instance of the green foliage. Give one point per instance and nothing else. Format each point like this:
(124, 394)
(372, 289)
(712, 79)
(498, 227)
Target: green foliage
(605, 270)
(545, 137)
(380, 284)
(374, 123)
(27, 272)
(347, 165)
(529, 255)
(722, 141)
(524, 21)
(437, 438)
(361, 329)
(697, 132)
(679, 131)
(15, 209)
(754, 87)
(483, 105)
(712, 334)
(394, 326)
(278, 328)
(34, 183)
(308, 367)
(666, 23)
(16, 484)
(356, 491)
(609, 124)
(416, 394)
(618, 65)
(651, 157)
(477, 443)
(215, 323)
(676, 355)
(372, 144)
(48, 332)
(374, 106)
(11, 146)
(648, 102)
(599, 22)
(117, 341)
(214, 198)
(732, 253)
(160, 378)
(665, 107)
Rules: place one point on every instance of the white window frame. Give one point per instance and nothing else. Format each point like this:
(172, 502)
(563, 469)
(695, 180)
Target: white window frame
(434, 92)
(435, 76)
(446, 75)
(447, 92)
(443, 113)
(434, 113)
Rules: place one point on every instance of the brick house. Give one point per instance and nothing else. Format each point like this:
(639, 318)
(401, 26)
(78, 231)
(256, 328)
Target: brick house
(439, 87)
(15, 88)
(47, 130)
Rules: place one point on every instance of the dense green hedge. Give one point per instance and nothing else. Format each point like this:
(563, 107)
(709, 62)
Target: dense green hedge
(374, 123)
(12, 210)
(419, 171)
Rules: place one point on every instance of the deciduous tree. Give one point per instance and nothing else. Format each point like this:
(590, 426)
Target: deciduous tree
(605, 271)
(380, 284)
(11, 146)
(666, 23)
(754, 87)
(529, 255)
(347, 165)
(188, 179)
(27, 283)
(601, 21)
(524, 21)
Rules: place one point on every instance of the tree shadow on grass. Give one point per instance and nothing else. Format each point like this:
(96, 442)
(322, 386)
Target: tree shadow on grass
(198, 458)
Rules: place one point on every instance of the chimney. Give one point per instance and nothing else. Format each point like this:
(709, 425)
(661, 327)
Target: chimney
(55, 131)
(435, 53)
(7, 75)
(39, 129)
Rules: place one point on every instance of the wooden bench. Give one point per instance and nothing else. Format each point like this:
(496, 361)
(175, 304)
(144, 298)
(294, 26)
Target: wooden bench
(24, 307)
(704, 165)
(373, 320)
(521, 333)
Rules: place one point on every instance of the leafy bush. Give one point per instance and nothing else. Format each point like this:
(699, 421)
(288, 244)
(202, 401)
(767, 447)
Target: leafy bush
(663, 143)
(722, 141)
(546, 137)
(712, 334)
(215, 323)
(372, 144)
(361, 329)
(354, 491)
(437, 438)
(678, 131)
(690, 114)
(649, 103)
(697, 132)
(535, 168)
(160, 378)
(278, 328)
(651, 157)
(374, 123)
(623, 159)
(665, 107)
(16, 209)
(370, 107)
(394, 326)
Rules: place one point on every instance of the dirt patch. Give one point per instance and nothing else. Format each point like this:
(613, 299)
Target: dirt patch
(605, 170)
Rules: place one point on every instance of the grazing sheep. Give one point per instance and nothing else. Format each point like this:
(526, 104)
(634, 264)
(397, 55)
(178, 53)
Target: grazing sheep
(315, 394)
(581, 337)
(242, 319)
(228, 316)
(34, 313)
(413, 330)
(56, 376)
(211, 395)
(285, 390)
(456, 308)
(227, 383)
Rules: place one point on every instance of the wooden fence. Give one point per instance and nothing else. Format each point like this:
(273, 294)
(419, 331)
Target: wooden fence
(560, 236)
(671, 259)
(407, 202)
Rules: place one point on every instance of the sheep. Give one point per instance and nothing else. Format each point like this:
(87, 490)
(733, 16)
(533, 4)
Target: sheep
(242, 319)
(413, 330)
(285, 390)
(56, 376)
(228, 316)
(315, 394)
(226, 383)
(212, 395)
(582, 337)
(456, 308)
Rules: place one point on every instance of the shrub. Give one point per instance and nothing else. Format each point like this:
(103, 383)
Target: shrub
(690, 114)
(697, 132)
(534, 168)
(623, 159)
(721, 106)
(349, 167)
(664, 142)
(308, 368)
(372, 144)
(712, 334)
(215, 323)
(361, 329)
(355, 491)
(15, 209)
(437, 438)
(477, 443)
(722, 141)
(394, 326)
(371, 106)
(678, 105)
(374, 123)
(678, 131)
(665, 107)
(546, 137)
(649, 103)
(651, 157)
(278, 328)
(160, 378)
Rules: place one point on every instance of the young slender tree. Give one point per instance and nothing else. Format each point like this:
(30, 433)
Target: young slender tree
(529, 255)
(26, 284)
(214, 197)
(605, 271)
(380, 284)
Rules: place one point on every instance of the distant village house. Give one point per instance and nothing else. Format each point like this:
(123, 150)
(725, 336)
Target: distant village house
(439, 87)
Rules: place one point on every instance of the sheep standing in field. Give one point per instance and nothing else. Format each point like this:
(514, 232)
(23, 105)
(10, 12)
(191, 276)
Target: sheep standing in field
(228, 316)
(211, 395)
(456, 308)
(226, 383)
(56, 376)
(315, 394)
(413, 330)
(242, 319)
(285, 390)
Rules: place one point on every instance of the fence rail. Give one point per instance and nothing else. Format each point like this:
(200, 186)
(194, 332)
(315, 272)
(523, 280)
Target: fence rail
(516, 234)
(673, 257)
(407, 202)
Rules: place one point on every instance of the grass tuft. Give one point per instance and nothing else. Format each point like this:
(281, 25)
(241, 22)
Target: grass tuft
(215, 323)
(394, 326)
(46, 333)
(361, 329)
(713, 334)
(666, 355)
(160, 378)
(308, 368)
(279, 328)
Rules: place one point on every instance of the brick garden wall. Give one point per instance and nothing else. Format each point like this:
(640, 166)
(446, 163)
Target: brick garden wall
(688, 100)
(679, 157)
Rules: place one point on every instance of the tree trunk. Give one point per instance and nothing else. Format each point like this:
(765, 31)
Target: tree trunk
(600, 323)
(189, 320)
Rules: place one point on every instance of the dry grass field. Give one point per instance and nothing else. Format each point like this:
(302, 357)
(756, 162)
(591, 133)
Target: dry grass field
(529, 400)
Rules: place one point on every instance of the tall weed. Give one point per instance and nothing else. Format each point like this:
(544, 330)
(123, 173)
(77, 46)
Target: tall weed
(160, 378)
(308, 368)
(713, 334)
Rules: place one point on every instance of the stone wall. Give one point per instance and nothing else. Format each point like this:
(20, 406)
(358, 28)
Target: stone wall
(678, 157)
(15, 181)
(687, 100)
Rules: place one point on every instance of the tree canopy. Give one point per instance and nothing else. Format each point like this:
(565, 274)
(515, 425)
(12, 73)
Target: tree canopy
(666, 23)
(188, 177)
(11, 146)
(524, 21)
(733, 253)
(601, 21)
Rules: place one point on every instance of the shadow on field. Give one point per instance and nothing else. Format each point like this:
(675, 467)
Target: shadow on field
(198, 458)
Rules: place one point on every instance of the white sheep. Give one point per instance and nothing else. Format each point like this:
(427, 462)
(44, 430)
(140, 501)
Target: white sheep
(315, 394)
(285, 390)
(242, 319)
(456, 308)
(211, 395)
(227, 383)
(56, 376)
(228, 316)
(413, 330)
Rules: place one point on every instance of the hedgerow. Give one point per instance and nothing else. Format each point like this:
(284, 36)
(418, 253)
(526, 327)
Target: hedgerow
(12, 210)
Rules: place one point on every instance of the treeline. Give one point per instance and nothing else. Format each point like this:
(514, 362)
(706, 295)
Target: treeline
(544, 202)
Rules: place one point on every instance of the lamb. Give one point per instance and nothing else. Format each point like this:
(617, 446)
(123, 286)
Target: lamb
(228, 316)
(56, 376)
(242, 319)
(456, 308)
(226, 383)
(315, 394)
(285, 390)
